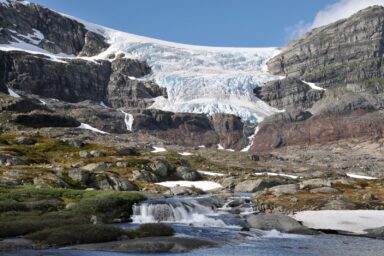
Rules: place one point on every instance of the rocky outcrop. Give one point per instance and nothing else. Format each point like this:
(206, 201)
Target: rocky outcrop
(48, 30)
(37, 119)
(288, 93)
(347, 51)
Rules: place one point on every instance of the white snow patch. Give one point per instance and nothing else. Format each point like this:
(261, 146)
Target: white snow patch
(42, 102)
(214, 174)
(12, 93)
(220, 147)
(230, 150)
(314, 86)
(202, 146)
(185, 154)
(353, 221)
(277, 174)
(88, 127)
(250, 139)
(355, 176)
(128, 119)
(158, 149)
(203, 185)
(132, 77)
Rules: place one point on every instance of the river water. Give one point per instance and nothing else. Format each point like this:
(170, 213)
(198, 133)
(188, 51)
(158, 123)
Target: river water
(201, 218)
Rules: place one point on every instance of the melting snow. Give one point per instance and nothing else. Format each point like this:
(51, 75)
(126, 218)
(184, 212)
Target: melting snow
(314, 86)
(88, 127)
(185, 154)
(250, 139)
(214, 174)
(158, 149)
(353, 221)
(276, 174)
(355, 176)
(12, 93)
(128, 119)
(220, 147)
(203, 185)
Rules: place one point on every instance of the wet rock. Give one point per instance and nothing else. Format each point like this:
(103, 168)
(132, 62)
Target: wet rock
(257, 185)
(278, 222)
(25, 141)
(186, 173)
(95, 167)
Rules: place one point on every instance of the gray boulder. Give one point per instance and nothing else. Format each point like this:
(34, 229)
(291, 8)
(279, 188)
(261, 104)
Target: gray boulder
(145, 175)
(324, 190)
(257, 185)
(127, 151)
(159, 167)
(25, 141)
(315, 183)
(339, 204)
(377, 233)
(278, 222)
(285, 189)
(95, 167)
(80, 176)
(50, 181)
(186, 173)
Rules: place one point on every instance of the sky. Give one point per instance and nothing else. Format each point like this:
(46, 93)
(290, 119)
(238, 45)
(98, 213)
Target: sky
(232, 23)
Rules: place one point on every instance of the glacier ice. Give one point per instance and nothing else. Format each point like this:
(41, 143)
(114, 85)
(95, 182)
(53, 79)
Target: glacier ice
(198, 79)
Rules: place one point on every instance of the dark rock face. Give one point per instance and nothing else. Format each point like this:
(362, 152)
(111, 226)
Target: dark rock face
(347, 51)
(230, 130)
(288, 93)
(61, 34)
(20, 105)
(41, 119)
(125, 91)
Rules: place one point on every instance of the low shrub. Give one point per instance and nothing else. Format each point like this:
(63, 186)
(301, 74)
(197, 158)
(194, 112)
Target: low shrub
(81, 234)
(156, 229)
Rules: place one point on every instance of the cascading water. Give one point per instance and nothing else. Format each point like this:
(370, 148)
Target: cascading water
(198, 211)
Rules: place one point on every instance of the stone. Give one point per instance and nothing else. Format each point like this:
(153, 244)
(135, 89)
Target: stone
(12, 161)
(85, 154)
(315, 183)
(25, 141)
(257, 185)
(80, 176)
(127, 151)
(96, 153)
(74, 143)
(186, 173)
(339, 204)
(50, 181)
(377, 233)
(284, 189)
(183, 191)
(369, 196)
(278, 222)
(95, 167)
(159, 167)
(110, 181)
(325, 190)
(145, 175)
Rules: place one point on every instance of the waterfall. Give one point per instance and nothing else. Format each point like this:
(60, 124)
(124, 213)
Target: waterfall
(128, 119)
(177, 210)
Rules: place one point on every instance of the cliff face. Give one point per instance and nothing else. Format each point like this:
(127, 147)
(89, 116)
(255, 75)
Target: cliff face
(345, 58)
(348, 51)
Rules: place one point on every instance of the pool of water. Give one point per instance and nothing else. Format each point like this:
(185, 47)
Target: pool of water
(252, 243)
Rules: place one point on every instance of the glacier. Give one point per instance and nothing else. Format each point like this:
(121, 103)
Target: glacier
(198, 79)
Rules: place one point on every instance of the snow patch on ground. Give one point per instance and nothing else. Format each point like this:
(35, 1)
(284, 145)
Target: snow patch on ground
(276, 174)
(314, 86)
(353, 221)
(355, 176)
(158, 149)
(203, 185)
(214, 174)
(185, 154)
(12, 93)
(220, 147)
(88, 127)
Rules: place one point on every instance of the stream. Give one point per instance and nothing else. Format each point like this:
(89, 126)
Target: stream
(211, 218)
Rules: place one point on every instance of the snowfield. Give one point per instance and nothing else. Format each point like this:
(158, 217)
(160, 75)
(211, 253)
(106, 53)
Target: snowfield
(199, 79)
(352, 221)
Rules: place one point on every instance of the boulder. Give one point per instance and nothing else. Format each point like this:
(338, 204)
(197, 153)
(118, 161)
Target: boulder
(257, 185)
(278, 222)
(145, 175)
(324, 190)
(339, 204)
(74, 143)
(183, 191)
(377, 233)
(25, 141)
(110, 181)
(96, 153)
(284, 189)
(186, 173)
(95, 167)
(127, 151)
(10, 160)
(85, 154)
(50, 181)
(80, 176)
(159, 167)
(315, 183)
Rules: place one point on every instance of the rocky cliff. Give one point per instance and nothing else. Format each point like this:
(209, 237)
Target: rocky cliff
(345, 58)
